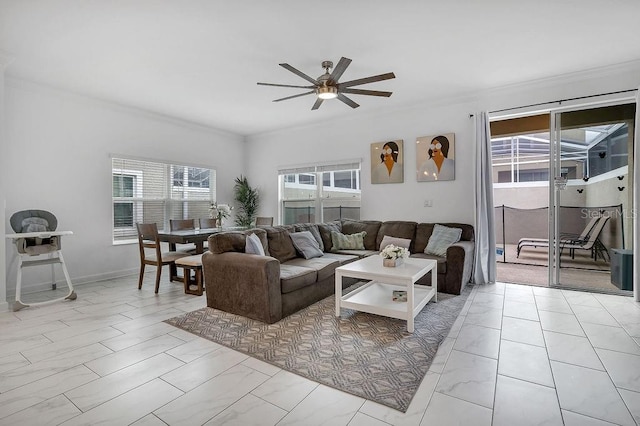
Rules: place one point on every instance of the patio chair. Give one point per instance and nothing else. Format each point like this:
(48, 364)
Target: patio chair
(564, 238)
(592, 243)
(38, 243)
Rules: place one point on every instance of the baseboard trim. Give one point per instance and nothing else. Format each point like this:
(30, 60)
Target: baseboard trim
(76, 281)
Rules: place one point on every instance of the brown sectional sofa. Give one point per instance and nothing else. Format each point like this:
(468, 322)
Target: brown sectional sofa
(269, 288)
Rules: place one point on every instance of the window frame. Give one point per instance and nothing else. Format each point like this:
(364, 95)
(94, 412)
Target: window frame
(317, 202)
(165, 200)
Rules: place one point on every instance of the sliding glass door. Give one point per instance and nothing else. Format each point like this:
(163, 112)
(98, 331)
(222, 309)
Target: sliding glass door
(591, 198)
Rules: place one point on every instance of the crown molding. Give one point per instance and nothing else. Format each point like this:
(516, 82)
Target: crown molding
(570, 77)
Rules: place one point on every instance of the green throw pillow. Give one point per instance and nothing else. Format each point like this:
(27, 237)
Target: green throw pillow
(441, 238)
(341, 241)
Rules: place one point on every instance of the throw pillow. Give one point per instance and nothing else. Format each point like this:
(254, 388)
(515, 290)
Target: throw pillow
(254, 245)
(306, 244)
(441, 238)
(313, 228)
(399, 242)
(340, 241)
(280, 244)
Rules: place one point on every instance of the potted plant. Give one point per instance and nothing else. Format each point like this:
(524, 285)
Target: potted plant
(393, 255)
(248, 201)
(220, 212)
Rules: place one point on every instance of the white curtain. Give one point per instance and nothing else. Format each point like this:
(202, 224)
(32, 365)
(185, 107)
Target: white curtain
(484, 270)
(636, 201)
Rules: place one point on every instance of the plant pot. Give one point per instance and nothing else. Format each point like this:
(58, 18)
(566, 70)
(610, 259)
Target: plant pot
(391, 263)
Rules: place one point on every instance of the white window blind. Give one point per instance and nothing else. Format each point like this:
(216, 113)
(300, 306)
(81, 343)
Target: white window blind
(155, 192)
(320, 192)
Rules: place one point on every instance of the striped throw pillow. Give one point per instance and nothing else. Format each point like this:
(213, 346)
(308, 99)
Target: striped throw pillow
(441, 238)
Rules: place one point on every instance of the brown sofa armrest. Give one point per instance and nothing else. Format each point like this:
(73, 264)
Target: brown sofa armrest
(243, 284)
(459, 266)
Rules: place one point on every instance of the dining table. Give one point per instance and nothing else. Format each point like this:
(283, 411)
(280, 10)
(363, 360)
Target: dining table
(190, 236)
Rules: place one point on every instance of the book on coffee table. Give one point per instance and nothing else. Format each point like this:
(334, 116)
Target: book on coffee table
(399, 296)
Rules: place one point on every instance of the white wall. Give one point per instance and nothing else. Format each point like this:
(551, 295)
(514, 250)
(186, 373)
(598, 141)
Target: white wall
(58, 146)
(351, 137)
(3, 275)
(57, 159)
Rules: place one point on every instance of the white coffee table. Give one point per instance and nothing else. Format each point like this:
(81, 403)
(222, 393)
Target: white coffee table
(375, 297)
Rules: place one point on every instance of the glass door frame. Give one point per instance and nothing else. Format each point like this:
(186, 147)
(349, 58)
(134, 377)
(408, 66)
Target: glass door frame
(556, 185)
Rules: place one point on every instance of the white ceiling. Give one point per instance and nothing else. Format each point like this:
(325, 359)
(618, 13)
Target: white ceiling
(199, 60)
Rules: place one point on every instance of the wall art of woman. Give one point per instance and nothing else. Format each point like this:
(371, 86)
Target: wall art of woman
(386, 162)
(435, 158)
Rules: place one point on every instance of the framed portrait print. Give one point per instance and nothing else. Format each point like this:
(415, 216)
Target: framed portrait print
(387, 162)
(435, 158)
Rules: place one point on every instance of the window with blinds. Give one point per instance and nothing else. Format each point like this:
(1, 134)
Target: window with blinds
(320, 192)
(146, 191)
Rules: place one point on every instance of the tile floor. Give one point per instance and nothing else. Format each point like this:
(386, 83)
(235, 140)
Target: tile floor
(517, 355)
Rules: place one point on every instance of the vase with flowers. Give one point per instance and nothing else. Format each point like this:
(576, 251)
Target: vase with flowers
(393, 255)
(220, 212)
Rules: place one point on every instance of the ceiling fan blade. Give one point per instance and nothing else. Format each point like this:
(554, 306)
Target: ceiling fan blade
(286, 85)
(294, 96)
(299, 73)
(339, 69)
(317, 104)
(366, 80)
(347, 101)
(366, 92)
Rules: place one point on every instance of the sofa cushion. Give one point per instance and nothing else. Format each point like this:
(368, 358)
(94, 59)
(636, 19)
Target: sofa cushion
(293, 277)
(441, 238)
(280, 244)
(371, 227)
(340, 241)
(227, 241)
(424, 231)
(398, 242)
(398, 229)
(305, 244)
(340, 257)
(235, 241)
(325, 232)
(325, 267)
(360, 253)
(442, 262)
(313, 228)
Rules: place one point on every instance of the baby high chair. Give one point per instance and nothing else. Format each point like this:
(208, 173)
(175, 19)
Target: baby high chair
(35, 237)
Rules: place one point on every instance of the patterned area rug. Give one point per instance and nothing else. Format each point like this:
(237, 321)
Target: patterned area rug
(366, 355)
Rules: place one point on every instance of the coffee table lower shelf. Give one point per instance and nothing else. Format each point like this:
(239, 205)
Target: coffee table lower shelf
(376, 298)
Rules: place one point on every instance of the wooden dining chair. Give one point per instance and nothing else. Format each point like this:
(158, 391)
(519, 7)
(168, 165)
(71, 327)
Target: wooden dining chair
(206, 223)
(179, 225)
(264, 221)
(148, 240)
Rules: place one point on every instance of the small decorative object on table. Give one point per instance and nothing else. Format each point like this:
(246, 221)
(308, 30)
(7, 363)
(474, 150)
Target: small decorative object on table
(393, 255)
(399, 296)
(220, 212)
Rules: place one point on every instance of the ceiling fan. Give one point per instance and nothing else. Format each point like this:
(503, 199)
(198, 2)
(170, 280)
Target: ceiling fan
(327, 86)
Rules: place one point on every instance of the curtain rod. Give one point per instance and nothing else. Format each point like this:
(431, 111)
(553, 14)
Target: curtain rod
(559, 101)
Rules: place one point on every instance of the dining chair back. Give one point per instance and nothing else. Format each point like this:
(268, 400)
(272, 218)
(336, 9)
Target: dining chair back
(206, 223)
(180, 224)
(151, 252)
(264, 221)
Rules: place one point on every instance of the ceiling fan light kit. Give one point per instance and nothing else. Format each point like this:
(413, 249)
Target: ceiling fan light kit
(327, 92)
(327, 85)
